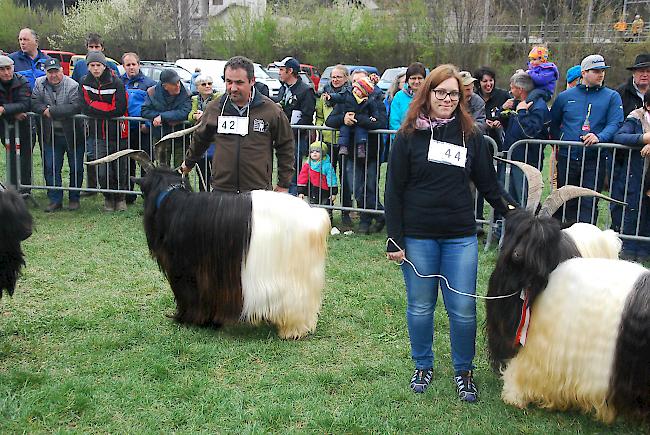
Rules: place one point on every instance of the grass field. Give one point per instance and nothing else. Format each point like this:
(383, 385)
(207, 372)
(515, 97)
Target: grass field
(87, 345)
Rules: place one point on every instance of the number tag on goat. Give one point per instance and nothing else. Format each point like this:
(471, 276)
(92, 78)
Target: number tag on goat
(233, 125)
(447, 153)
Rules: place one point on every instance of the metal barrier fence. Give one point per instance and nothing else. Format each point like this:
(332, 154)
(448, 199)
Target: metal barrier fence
(617, 169)
(359, 179)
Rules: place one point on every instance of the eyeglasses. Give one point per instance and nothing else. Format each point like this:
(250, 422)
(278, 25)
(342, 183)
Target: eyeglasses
(206, 84)
(441, 94)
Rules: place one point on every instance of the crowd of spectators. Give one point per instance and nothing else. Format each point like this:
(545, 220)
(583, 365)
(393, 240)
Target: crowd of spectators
(584, 111)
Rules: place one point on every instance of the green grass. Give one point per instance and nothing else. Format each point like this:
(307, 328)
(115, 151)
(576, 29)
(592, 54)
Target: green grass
(86, 345)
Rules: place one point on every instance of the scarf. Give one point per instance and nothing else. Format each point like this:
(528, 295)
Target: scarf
(425, 122)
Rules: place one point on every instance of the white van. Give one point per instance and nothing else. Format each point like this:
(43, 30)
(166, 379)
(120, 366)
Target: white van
(213, 68)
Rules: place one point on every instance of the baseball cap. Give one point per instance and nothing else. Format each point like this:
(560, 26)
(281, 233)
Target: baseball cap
(593, 61)
(169, 76)
(288, 62)
(572, 73)
(466, 78)
(6, 61)
(52, 64)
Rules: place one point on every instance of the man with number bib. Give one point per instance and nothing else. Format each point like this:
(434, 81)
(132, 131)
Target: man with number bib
(246, 127)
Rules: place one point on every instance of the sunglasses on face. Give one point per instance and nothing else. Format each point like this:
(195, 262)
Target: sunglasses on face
(206, 84)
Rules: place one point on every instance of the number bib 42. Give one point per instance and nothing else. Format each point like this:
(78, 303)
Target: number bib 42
(233, 125)
(447, 153)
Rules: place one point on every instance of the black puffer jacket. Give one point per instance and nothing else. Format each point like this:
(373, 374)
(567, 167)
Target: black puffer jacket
(104, 98)
(15, 98)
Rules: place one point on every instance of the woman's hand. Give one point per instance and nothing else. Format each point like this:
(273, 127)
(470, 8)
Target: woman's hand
(645, 151)
(396, 256)
(198, 114)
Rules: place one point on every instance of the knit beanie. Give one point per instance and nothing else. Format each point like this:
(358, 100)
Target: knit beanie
(364, 85)
(538, 51)
(320, 146)
(95, 56)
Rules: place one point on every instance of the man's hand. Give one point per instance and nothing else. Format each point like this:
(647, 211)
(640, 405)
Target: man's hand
(326, 96)
(46, 113)
(198, 114)
(144, 128)
(157, 121)
(493, 124)
(589, 139)
(2, 110)
(301, 195)
(281, 189)
(184, 169)
(20, 116)
(509, 104)
(349, 119)
(524, 105)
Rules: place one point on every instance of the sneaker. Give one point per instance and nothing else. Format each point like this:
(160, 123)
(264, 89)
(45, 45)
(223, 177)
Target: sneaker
(52, 207)
(73, 205)
(109, 205)
(421, 379)
(465, 387)
(120, 205)
(343, 150)
(361, 150)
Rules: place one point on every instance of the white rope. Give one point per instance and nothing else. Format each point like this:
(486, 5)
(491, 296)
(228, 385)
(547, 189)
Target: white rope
(406, 260)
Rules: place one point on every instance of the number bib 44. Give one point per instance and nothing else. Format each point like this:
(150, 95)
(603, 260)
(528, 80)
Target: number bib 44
(447, 153)
(233, 125)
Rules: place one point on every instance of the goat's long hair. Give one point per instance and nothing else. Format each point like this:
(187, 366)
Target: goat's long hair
(15, 226)
(532, 248)
(200, 241)
(630, 383)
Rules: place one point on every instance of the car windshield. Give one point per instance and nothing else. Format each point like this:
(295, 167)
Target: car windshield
(390, 74)
(260, 73)
(183, 73)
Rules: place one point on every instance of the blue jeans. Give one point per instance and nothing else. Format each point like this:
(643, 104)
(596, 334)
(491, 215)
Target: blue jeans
(592, 177)
(362, 174)
(457, 260)
(346, 133)
(636, 211)
(53, 163)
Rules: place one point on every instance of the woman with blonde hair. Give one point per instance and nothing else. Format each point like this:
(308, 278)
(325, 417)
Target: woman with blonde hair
(437, 152)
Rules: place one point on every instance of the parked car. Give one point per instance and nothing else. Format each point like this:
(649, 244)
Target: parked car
(213, 68)
(312, 72)
(76, 57)
(389, 75)
(153, 68)
(261, 75)
(325, 77)
(63, 57)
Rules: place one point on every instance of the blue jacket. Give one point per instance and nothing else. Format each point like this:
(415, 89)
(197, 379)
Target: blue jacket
(398, 108)
(29, 68)
(172, 109)
(570, 110)
(631, 133)
(528, 124)
(81, 69)
(136, 88)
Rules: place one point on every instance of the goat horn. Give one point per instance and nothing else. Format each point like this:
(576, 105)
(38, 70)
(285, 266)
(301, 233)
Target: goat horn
(137, 155)
(166, 140)
(535, 182)
(2, 187)
(565, 193)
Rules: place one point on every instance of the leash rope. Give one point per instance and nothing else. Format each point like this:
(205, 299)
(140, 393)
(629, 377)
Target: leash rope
(406, 260)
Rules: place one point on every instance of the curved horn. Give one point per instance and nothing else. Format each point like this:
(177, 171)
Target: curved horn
(137, 155)
(2, 187)
(535, 182)
(565, 193)
(165, 141)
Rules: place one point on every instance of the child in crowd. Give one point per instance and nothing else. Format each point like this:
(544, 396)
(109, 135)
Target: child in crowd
(317, 178)
(355, 101)
(544, 73)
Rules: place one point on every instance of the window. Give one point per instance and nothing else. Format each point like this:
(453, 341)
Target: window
(217, 2)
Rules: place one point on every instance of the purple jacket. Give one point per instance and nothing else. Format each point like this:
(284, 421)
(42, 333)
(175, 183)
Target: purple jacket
(544, 76)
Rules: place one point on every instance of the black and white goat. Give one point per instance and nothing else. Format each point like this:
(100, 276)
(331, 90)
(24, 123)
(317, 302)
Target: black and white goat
(253, 257)
(579, 337)
(15, 226)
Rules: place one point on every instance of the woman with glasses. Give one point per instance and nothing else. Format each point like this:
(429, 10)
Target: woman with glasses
(339, 81)
(199, 103)
(437, 152)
